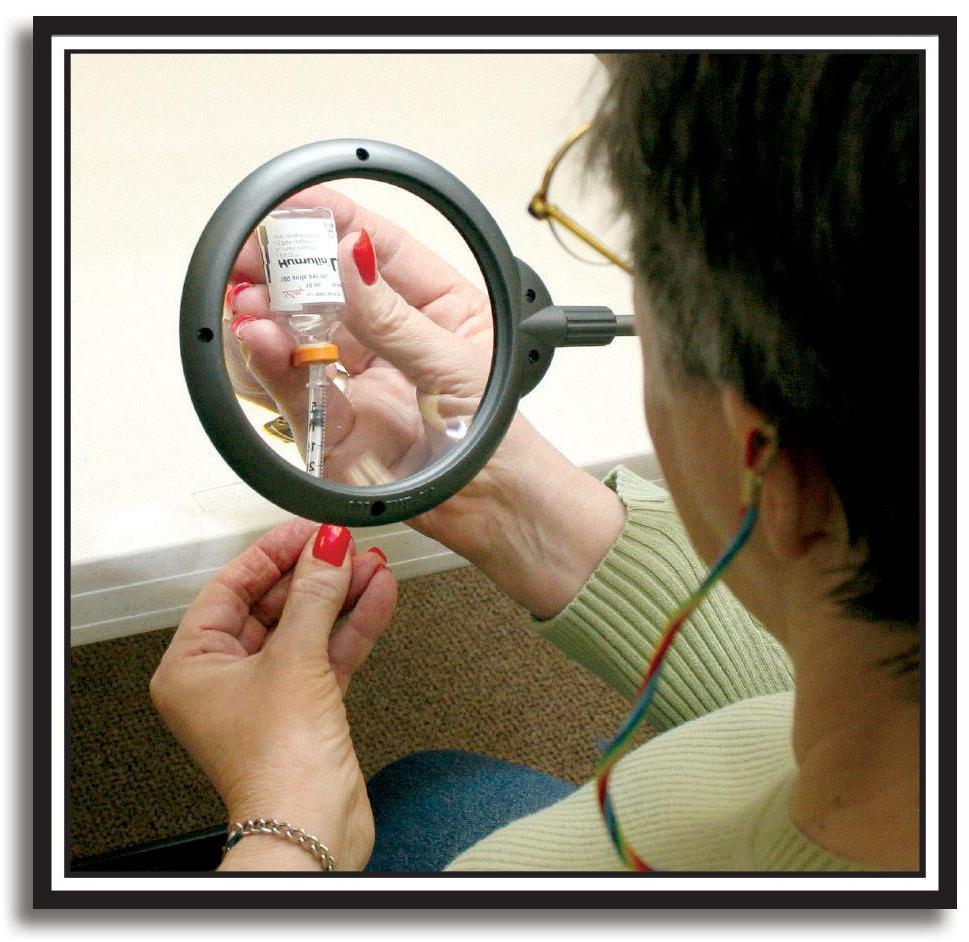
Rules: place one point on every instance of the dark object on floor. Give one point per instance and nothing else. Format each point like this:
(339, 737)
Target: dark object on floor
(198, 852)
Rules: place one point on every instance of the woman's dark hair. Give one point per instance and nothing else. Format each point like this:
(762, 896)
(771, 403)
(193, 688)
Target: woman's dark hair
(774, 202)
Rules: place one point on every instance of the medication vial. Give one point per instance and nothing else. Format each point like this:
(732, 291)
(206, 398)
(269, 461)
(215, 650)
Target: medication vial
(299, 253)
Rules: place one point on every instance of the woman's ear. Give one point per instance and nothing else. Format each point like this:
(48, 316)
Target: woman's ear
(797, 501)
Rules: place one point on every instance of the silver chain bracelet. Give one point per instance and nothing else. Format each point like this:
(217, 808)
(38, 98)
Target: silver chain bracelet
(308, 842)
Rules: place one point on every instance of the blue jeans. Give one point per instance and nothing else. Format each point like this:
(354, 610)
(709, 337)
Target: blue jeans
(430, 806)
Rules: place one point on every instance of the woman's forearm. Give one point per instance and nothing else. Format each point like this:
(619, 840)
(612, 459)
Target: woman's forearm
(571, 523)
(535, 524)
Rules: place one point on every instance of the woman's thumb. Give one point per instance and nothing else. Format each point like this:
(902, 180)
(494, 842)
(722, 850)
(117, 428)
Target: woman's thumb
(432, 358)
(319, 588)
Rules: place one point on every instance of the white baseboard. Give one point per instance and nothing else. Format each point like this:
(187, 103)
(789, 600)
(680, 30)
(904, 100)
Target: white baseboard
(112, 598)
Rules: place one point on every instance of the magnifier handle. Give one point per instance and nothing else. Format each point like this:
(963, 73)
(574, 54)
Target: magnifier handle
(556, 326)
(625, 325)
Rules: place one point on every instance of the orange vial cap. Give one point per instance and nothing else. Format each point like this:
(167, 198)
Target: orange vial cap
(314, 353)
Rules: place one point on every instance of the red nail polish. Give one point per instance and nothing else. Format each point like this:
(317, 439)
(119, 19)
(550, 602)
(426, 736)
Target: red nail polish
(365, 258)
(331, 544)
(238, 323)
(379, 552)
(234, 292)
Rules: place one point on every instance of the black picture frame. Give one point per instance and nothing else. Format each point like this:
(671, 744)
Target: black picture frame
(42, 896)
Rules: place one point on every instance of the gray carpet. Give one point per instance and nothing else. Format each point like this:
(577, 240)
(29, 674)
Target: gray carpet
(457, 669)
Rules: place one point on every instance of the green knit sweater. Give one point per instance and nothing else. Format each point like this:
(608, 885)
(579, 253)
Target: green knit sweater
(712, 791)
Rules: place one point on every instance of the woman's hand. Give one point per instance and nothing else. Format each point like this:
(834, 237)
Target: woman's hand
(253, 681)
(417, 341)
(400, 412)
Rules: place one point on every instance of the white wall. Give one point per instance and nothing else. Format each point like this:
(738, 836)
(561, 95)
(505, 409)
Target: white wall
(156, 142)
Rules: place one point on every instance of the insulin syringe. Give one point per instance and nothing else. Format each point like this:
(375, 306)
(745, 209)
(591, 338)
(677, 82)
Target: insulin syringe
(317, 356)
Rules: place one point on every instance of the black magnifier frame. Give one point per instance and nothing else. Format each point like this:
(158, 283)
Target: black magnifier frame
(527, 328)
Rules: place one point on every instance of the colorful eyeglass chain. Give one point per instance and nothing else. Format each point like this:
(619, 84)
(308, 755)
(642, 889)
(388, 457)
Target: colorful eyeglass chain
(760, 450)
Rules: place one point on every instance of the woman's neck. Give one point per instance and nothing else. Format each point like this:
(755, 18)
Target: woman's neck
(856, 741)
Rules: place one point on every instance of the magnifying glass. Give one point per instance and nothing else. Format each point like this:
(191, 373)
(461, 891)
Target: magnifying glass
(392, 451)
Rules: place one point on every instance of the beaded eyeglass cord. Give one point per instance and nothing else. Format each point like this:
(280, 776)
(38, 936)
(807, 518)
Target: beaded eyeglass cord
(760, 450)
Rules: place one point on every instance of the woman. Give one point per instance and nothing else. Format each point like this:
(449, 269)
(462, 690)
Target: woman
(774, 203)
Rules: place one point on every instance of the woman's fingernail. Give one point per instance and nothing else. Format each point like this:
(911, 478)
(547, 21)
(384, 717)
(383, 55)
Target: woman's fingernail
(379, 552)
(234, 292)
(331, 544)
(365, 258)
(239, 323)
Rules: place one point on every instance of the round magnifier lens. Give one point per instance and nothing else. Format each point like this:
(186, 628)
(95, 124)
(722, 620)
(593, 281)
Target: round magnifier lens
(299, 348)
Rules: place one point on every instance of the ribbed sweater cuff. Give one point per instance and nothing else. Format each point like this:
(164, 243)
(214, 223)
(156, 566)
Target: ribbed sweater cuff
(720, 656)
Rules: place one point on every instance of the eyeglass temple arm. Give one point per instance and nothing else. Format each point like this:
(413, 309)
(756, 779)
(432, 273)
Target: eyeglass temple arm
(540, 209)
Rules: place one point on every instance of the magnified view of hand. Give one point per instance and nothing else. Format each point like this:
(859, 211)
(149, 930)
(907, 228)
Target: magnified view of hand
(415, 340)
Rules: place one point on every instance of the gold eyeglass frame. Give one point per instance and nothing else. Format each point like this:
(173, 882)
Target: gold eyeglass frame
(540, 208)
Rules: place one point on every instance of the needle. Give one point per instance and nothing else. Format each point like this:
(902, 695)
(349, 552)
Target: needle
(317, 356)
(316, 420)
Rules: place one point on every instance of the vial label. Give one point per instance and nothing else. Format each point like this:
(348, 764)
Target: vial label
(300, 262)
